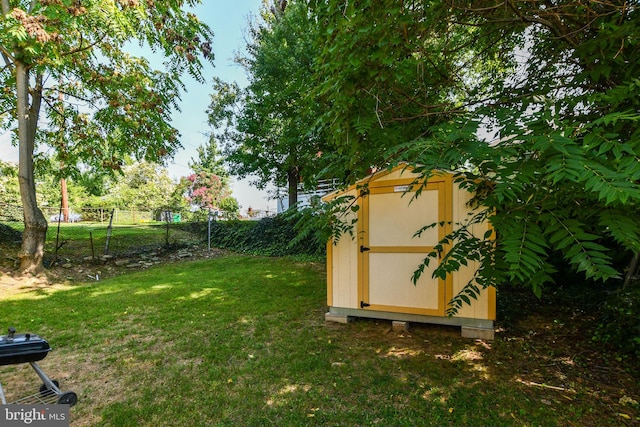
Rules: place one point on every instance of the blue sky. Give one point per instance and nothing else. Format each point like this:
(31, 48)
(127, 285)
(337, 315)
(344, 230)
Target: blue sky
(229, 21)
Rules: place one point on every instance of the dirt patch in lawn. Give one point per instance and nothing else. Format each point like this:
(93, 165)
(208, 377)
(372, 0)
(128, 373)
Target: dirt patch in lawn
(67, 270)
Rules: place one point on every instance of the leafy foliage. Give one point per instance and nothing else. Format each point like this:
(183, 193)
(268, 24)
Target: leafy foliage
(535, 108)
(142, 186)
(9, 190)
(269, 237)
(100, 102)
(464, 246)
(208, 187)
(619, 323)
(205, 190)
(387, 72)
(267, 129)
(334, 219)
(70, 84)
(210, 160)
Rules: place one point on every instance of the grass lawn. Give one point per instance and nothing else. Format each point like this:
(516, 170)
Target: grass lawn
(242, 341)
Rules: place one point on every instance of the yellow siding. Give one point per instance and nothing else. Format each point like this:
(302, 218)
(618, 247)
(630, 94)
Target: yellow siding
(484, 306)
(343, 269)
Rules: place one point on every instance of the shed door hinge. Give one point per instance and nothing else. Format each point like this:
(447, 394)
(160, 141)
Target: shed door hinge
(364, 248)
(364, 304)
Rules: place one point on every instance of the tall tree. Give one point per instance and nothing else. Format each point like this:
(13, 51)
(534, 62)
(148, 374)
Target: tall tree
(209, 159)
(554, 82)
(113, 104)
(209, 187)
(205, 190)
(271, 134)
(142, 186)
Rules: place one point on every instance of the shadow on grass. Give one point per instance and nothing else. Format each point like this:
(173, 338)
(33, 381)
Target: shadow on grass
(242, 341)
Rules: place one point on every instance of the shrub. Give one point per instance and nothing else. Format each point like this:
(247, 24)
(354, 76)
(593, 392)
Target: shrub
(619, 323)
(275, 236)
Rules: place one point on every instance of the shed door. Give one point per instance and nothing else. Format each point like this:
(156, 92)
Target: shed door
(390, 253)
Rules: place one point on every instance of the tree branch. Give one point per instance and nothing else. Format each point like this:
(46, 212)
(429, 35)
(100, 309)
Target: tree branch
(88, 47)
(36, 102)
(8, 59)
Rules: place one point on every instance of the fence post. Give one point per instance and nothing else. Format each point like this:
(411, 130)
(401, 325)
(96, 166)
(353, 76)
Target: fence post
(209, 231)
(109, 228)
(93, 253)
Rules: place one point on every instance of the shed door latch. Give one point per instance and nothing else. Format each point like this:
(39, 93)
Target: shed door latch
(364, 248)
(364, 304)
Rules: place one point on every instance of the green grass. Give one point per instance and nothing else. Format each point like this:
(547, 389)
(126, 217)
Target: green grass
(242, 341)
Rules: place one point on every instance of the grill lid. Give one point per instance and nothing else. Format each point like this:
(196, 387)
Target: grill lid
(22, 348)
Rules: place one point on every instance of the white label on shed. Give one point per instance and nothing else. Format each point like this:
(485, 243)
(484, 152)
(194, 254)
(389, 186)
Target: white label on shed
(400, 188)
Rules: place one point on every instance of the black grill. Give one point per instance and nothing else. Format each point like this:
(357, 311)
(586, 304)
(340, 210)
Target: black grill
(22, 348)
(30, 348)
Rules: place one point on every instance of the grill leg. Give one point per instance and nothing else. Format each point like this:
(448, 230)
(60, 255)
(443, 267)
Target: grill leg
(4, 401)
(45, 379)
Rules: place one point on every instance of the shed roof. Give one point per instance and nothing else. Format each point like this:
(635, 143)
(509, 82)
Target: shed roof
(378, 175)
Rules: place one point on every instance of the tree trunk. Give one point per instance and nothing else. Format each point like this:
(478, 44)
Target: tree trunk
(293, 178)
(35, 224)
(63, 182)
(632, 271)
(64, 199)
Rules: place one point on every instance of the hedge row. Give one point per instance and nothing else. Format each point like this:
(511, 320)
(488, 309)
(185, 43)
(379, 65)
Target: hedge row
(274, 236)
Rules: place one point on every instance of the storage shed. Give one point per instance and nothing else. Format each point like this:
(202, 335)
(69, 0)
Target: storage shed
(370, 275)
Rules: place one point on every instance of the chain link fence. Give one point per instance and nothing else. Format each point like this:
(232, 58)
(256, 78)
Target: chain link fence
(13, 213)
(168, 230)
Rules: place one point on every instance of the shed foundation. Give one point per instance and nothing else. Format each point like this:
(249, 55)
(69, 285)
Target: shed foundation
(338, 318)
(478, 333)
(470, 328)
(399, 326)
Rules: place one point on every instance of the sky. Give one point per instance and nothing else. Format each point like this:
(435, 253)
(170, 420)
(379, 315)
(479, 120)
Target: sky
(229, 22)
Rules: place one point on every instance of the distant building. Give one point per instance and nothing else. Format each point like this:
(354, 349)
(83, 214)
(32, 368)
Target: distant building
(257, 214)
(306, 196)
